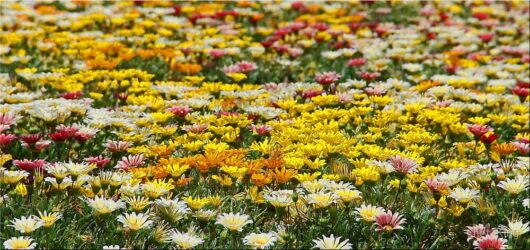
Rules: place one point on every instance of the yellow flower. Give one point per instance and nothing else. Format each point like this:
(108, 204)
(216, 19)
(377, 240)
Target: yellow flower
(21, 190)
(347, 195)
(394, 183)
(176, 170)
(196, 203)
(237, 76)
(307, 177)
(223, 179)
(369, 212)
(49, 218)
(234, 171)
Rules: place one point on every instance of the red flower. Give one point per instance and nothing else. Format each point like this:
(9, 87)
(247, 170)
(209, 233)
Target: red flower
(356, 62)
(489, 137)
(29, 165)
(522, 92)
(71, 95)
(369, 76)
(478, 130)
(311, 93)
(490, 242)
(327, 78)
(6, 139)
(481, 15)
(30, 138)
(486, 37)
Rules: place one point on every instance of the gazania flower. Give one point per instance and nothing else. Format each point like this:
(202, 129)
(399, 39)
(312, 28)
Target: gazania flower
(233, 222)
(27, 225)
(489, 137)
(6, 139)
(322, 199)
(280, 198)
(515, 228)
(368, 212)
(130, 161)
(186, 240)
(478, 130)
(515, 186)
(490, 242)
(389, 221)
(478, 231)
(403, 165)
(30, 138)
(21, 242)
(134, 221)
(464, 195)
(332, 243)
(101, 205)
(180, 111)
(49, 218)
(196, 203)
(327, 78)
(99, 161)
(261, 240)
(117, 146)
(29, 165)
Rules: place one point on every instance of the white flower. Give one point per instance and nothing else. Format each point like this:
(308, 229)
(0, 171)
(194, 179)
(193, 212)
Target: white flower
(261, 240)
(332, 243)
(27, 225)
(464, 195)
(20, 243)
(233, 222)
(186, 240)
(135, 221)
(101, 205)
(112, 247)
(515, 228)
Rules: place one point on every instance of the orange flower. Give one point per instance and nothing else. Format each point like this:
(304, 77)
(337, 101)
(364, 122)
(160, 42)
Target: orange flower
(503, 148)
(187, 68)
(283, 175)
(183, 181)
(260, 179)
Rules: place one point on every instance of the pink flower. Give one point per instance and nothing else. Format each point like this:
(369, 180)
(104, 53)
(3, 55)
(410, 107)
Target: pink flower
(356, 62)
(490, 242)
(99, 161)
(311, 93)
(29, 165)
(180, 111)
(436, 186)
(327, 78)
(478, 130)
(523, 148)
(403, 165)
(6, 139)
(260, 129)
(6, 120)
(245, 66)
(216, 53)
(389, 221)
(345, 98)
(130, 161)
(374, 91)
(117, 146)
(477, 231)
(368, 76)
(195, 128)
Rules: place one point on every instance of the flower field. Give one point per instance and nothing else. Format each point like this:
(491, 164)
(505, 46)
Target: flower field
(252, 125)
